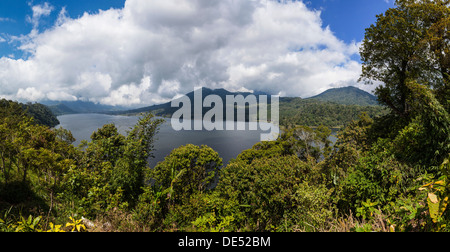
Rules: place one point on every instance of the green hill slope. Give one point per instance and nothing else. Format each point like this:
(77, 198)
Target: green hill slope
(347, 96)
(296, 111)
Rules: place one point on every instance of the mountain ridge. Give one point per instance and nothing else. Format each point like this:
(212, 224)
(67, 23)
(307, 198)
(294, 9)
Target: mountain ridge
(347, 96)
(343, 96)
(79, 107)
(165, 109)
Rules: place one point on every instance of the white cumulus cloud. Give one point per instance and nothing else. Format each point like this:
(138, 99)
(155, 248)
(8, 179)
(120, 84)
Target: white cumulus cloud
(151, 51)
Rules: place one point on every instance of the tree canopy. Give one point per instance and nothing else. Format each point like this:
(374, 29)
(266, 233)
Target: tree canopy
(409, 42)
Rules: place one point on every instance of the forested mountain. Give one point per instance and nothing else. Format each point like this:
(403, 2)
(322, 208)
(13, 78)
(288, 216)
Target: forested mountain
(61, 109)
(167, 111)
(293, 111)
(42, 114)
(333, 108)
(79, 107)
(313, 113)
(347, 96)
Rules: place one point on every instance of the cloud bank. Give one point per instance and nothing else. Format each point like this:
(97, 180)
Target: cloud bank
(151, 51)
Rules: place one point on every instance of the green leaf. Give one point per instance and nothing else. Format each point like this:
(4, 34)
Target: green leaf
(434, 210)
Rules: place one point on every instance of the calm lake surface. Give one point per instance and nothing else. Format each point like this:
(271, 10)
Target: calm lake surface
(229, 144)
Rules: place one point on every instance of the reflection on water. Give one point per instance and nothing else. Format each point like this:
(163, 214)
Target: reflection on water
(228, 144)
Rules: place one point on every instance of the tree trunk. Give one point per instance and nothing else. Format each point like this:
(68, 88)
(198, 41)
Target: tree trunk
(5, 172)
(25, 168)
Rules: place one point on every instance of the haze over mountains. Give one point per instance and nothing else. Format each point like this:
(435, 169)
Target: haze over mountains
(343, 96)
(79, 107)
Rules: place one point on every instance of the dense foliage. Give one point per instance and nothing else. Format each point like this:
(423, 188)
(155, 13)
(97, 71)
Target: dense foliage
(40, 113)
(385, 173)
(311, 112)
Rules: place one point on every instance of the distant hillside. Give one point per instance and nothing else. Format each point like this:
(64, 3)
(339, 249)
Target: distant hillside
(78, 107)
(333, 108)
(61, 109)
(42, 114)
(167, 110)
(294, 110)
(347, 96)
(312, 112)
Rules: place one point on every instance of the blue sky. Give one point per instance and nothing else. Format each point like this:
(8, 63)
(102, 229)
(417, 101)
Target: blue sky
(14, 13)
(146, 52)
(346, 18)
(349, 18)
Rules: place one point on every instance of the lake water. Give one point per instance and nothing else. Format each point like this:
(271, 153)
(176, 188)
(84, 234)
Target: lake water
(229, 144)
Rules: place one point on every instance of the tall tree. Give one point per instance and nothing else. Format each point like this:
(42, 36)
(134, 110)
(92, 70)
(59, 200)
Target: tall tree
(187, 170)
(409, 42)
(388, 53)
(435, 16)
